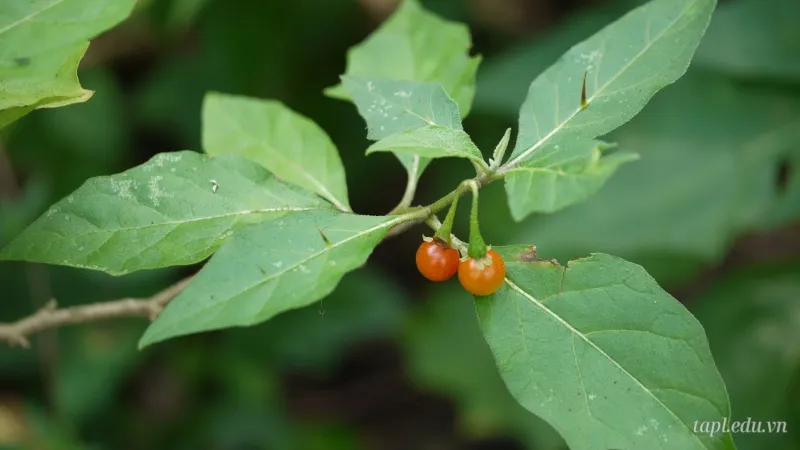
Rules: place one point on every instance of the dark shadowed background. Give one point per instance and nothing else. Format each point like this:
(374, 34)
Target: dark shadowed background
(389, 361)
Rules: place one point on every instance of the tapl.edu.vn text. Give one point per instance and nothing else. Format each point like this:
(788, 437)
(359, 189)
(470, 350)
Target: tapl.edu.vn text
(714, 427)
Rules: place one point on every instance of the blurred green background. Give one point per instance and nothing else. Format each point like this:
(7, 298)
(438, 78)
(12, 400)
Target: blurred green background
(389, 361)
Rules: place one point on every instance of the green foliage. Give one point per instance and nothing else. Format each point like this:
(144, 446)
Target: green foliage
(447, 353)
(42, 43)
(597, 350)
(281, 140)
(392, 107)
(395, 106)
(176, 209)
(416, 45)
(431, 141)
(661, 205)
(601, 352)
(552, 180)
(365, 305)
(623, 65)
(269, 268)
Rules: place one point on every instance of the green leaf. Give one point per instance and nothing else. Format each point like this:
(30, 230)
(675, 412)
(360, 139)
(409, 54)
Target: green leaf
(394, 106)
(555, 179)
(603, 354)
(752, 319)
(289, 145)
(269, 268)
(42, 43)
(445, 353)
(176, 209)
(416, 45)
(723, 138)
(505, 77)
(431, 141)
(625, 64)
(754, 38)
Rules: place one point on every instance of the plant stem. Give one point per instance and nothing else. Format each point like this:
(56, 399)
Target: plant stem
(477, 247)
(446, 230)
(411, 188)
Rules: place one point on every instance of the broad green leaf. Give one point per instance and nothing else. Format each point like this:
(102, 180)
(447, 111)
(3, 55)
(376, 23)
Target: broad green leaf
(446, 354)
(752, 319)
(552, 180)
(394, 106)
(416, 45)
(625, 64)
(431, 141)
(42, 42)
(289, 145)
(723, 138)
(754, 38)
(176, 209)
(269, 268)
(505, 77)
(603, 354)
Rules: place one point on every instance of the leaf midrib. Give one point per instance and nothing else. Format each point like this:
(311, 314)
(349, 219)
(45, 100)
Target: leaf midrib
(599, 91)
(291, 267)
(326, 193)
(577, 332)
(196, 219)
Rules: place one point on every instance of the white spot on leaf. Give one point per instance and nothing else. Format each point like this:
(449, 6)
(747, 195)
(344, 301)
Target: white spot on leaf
(156, 193)
(123, 188)
(161, 159)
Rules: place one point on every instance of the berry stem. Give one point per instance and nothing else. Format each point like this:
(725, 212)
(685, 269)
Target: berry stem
(477, 247)
(446, 230)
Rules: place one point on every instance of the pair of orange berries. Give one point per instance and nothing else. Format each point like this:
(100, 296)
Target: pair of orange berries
(437, 261)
